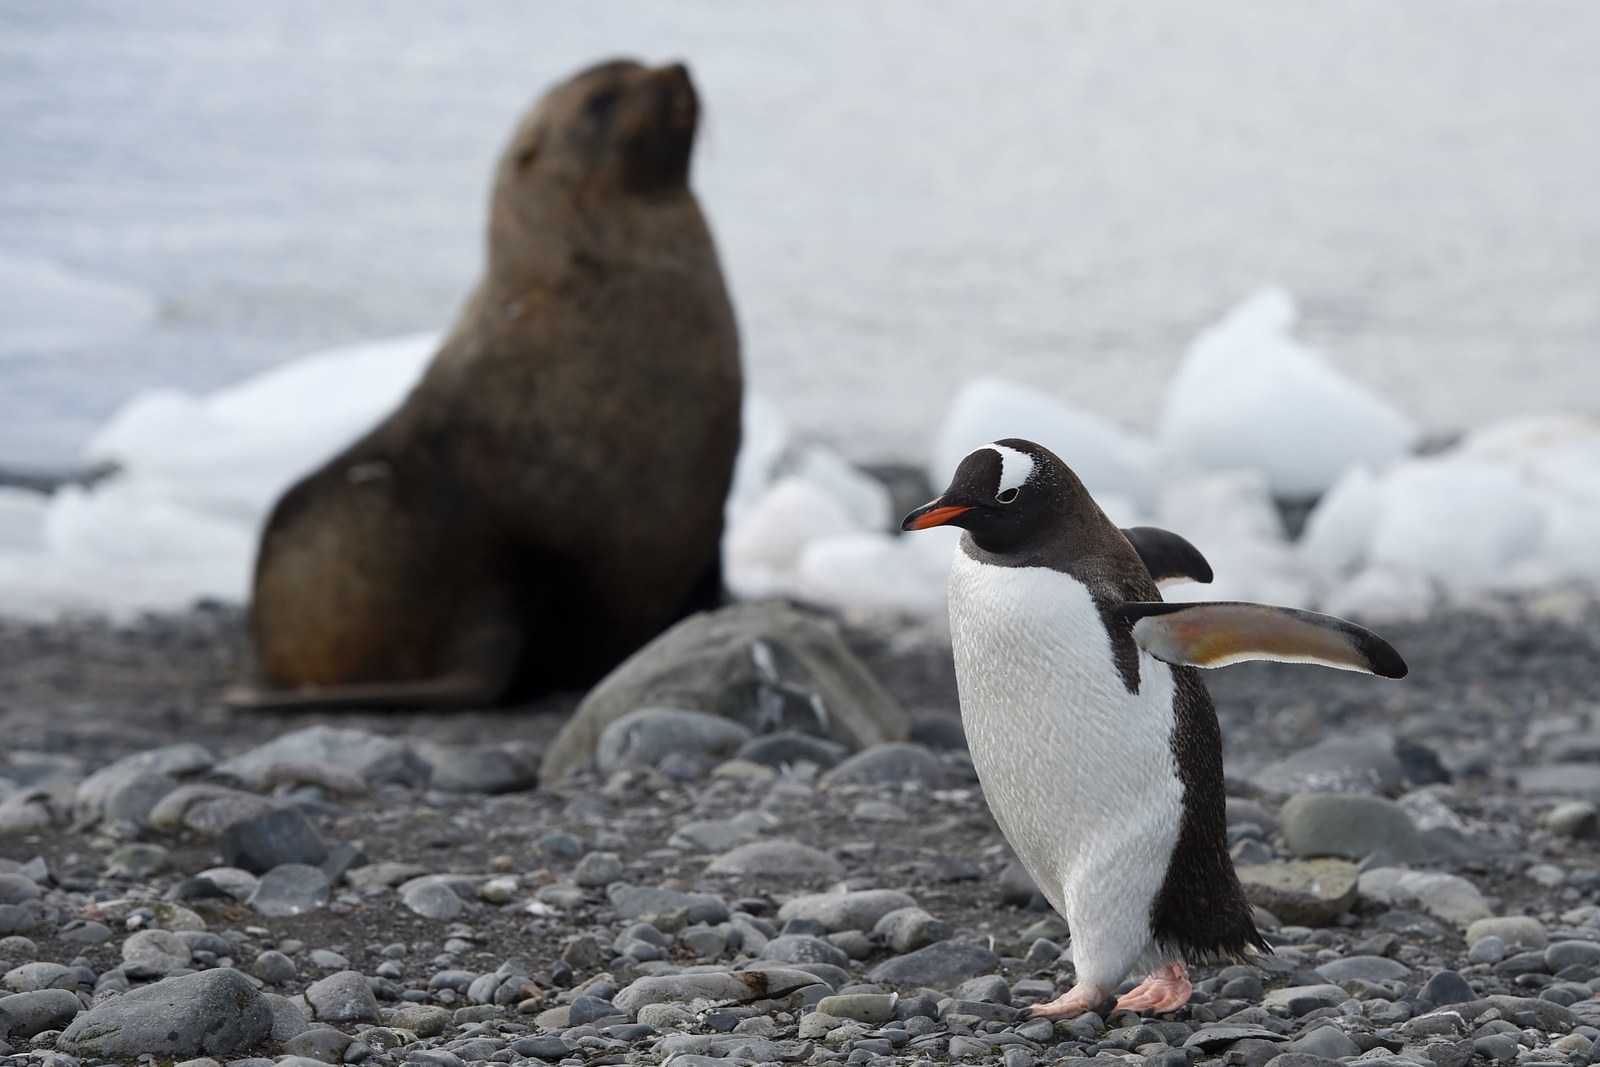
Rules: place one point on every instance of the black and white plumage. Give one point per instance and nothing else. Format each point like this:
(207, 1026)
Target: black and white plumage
(1091, 730)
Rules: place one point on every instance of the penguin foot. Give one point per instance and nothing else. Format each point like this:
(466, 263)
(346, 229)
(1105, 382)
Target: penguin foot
(1082, 997)
(1165, 990)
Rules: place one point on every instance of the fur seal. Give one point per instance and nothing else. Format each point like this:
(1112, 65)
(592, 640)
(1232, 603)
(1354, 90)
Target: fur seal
(1091, 730)
(550, 496)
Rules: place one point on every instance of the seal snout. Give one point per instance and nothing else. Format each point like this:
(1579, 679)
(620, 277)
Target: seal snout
(680, 103)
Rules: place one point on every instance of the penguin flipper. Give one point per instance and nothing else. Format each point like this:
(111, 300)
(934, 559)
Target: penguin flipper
(1220, 633)
(1168, 557)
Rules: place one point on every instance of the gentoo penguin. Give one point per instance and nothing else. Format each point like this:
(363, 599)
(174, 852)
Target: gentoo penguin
(1093, 735)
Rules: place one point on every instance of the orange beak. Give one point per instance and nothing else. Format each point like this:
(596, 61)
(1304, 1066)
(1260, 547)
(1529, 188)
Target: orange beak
(933, 514)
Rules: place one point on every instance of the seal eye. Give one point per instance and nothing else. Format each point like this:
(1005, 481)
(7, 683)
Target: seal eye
(601, 104)
(1006, 496)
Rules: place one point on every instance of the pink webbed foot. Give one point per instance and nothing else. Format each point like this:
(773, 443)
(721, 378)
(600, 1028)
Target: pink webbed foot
(1075, 1001)
(1165, 990)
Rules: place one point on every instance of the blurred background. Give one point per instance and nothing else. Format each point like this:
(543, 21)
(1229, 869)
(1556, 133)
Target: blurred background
(1230, 260)
(904, 194)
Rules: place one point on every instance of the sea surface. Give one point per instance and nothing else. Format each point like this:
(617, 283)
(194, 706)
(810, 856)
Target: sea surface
(905, 194)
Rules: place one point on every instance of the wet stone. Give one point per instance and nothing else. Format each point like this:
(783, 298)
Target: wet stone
(598, 869)
(798, 948)
(1447, 988)
(18, 889)
(30, 977)
(343, 997)
(215, 1012)
(1562, 954)
(778, 858)
(938, 966)
(274, 968)
(138, 861)
(859, 910)
(890, 764)
(1366, 968)
(25, 1015)
(1350, 827)
(1514, 932)
(291, 889)
(154, 952)
(271, 839)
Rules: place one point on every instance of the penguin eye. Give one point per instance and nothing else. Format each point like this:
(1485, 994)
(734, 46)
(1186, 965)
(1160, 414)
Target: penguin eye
(1006, 496)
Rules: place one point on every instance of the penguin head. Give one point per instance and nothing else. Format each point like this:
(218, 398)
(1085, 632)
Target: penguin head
(1008, 495)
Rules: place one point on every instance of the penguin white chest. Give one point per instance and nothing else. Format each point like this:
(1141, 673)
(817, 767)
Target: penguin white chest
(1078, 770)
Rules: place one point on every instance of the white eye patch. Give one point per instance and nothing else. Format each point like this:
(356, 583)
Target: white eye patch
(1015, 468)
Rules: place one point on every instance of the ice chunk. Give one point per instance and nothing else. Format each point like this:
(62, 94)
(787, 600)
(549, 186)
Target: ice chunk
(1247, 394)
(22, 515)
(1461, 521)
(790, 514)
(862, 496)
(232, 453)
(46, 307)
(763, 442)
(1230, 517)
(1105, 456)
(1339, 529)
(879, 571)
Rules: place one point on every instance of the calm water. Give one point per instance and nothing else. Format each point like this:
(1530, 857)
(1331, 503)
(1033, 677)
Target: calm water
(905, 194)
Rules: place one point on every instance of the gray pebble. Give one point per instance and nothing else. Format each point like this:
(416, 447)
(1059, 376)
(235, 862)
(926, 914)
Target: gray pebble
(322, 1044)
(271, 839)
(1501, 1048)
(31, 977)
(633, 901)
(789, 747)
(274, 968)
(938, 966)
(343, 997)
(424, 1020)
(587, 1009)
(154, 952)
(437, 896)
(890, 764)
(597, 870)
(1574, 818)
(1335, 765)
(910, 928)
(1562, 954)
(857, 910)
(18, 889)
(1350, 827)
(1514, 931)
(1448, 897)
(798, 948)
(1366, 968)
(138, 861)
(1446, 988)
(1328, 1042)
(549, 1048)
(24, 1015)
(780, 859)
(291, 889)
(647, 735)
(719, 835)
(1489, 949)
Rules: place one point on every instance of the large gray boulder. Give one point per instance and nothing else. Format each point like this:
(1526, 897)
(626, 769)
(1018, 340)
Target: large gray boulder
(767, 666)
(206, 1013)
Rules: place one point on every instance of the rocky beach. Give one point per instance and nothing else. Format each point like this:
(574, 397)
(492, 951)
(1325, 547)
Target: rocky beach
(775, 882)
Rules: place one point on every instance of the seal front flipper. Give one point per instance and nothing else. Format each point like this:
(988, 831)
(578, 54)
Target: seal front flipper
(1217, 634)
(1168, 557)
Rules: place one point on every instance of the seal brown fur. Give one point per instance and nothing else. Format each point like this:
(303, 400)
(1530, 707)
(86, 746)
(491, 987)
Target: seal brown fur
(551, 494)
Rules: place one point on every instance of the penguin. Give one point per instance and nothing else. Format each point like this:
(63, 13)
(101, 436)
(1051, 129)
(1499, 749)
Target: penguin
(1094, 737)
